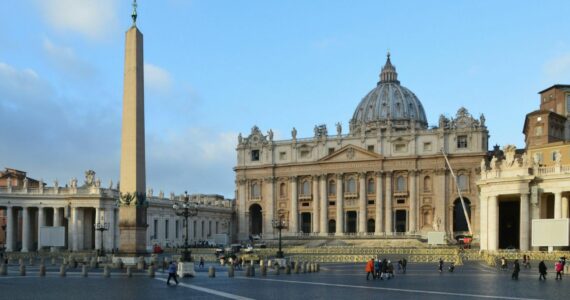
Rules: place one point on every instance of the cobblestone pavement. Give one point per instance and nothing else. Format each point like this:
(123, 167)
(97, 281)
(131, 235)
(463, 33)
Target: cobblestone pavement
(335, 281)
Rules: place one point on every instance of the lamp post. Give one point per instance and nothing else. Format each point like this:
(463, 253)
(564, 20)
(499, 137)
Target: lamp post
(279, 225)
(102, 226)
(186, 210)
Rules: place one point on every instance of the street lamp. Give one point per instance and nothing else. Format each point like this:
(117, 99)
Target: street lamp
(102, 226)
(279, 225)
(186, 210)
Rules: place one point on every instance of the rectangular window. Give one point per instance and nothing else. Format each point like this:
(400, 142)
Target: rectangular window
(331, 151)
(370, 201)
(553, 155)
(538, 130)
(427, 146)
(331, 203)
(305, 204)
(282, 155)
(165, 229)
(177, 229)
(155, 229)
(539, 157)
(462, 142)
(254, 155)
(400, 148)
(371, 148)
(304, 153)
(401, 201)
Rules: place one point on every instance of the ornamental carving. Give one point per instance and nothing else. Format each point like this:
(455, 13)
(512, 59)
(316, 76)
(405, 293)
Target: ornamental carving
(132, 199)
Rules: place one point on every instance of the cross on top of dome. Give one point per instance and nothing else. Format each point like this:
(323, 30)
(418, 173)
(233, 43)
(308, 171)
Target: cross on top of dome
(388, 73)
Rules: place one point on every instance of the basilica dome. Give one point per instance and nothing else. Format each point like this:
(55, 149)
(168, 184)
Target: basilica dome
(389, 104)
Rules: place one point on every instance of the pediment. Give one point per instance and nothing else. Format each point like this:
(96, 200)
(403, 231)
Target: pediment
(350, 153)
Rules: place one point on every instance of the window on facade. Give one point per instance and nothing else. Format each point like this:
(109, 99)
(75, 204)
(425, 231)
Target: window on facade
(255, 190)
(400, 147)
(538, 130)
(306, 188)
(463, 182)
(254, 155)
(282, 190)
(331, 203)
(155, 229)
(371, 148)
(427, 184)
(401, 184)
(370, 201)
(462, 142)
(304, 153)
(427, 146)
(401, 201)
(332, 188)
(351, 185)
(370, 188)
(177, 229)
(331, 151)
(553, 155)
(282, 155)
(166, 229)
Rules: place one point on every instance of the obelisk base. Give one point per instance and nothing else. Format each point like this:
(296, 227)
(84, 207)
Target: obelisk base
(132, 231)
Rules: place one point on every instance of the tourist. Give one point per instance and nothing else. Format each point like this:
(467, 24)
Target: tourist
(503, 264)
(451, 267)
(369, 269)
(399, 266)
(516, 270)
(384, 269)
(390, 269)
(542, 270)
(201, 265)
(440, 265)
(377, 266)
(172, 273)
(558, 266)
(404, 264)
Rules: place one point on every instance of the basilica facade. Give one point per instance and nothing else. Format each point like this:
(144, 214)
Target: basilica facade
(386, 176)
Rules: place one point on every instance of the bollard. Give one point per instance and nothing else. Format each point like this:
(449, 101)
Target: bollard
(3, 269)
(151, 271)
(248, 271)
(211, 272)
(93, 263)
(140, 263)
(318, 267)
(62, 270)
(231, 271)
(84, 271)
(296, 267)
(288, 269)
(129, 271)
(304, 267)
(22, 270)
(252, 270)
(164, 264)
(42, 270)
(263, 270)
(261, 264)
(106, 272)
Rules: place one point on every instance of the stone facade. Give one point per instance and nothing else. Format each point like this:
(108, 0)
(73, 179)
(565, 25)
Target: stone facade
(386, 176)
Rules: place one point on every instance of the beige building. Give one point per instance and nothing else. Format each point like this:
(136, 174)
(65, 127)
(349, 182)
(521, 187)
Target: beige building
(385, 176)
(518, 186)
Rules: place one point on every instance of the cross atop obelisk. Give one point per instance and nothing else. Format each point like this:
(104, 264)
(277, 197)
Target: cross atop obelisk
(132, 202)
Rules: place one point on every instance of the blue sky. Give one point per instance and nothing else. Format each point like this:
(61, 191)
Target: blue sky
(216, 68)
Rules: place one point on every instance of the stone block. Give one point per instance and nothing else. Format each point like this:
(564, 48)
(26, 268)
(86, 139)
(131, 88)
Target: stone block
(62, 270)
(151, 271)
(211, 272)
(231, 271)
(84, 271)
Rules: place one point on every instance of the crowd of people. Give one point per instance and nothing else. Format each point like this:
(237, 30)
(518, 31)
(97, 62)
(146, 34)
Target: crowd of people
(384, 268)
(542, 268)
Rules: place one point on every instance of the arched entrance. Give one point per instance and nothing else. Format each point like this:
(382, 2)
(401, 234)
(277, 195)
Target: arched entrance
(459, 221)
(255, 219)
(370, 225)
(332, 226)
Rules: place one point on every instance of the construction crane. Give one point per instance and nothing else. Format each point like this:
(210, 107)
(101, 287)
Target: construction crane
(458, 192)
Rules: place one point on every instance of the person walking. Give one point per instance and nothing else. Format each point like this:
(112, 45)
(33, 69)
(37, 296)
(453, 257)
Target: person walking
(503, 264)
(172, 273)
(440, 265)
(201, 265)
(559, 266)
(390, 270)
(384, 269)
(516, 270)
(377, 266)
(451, 267)
(369, 269)
(542, 270)
(404, 265)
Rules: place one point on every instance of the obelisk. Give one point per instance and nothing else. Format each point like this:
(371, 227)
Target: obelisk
(132, 202)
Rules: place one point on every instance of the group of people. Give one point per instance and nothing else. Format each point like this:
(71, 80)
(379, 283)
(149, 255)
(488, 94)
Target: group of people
(451, 267)
(383, 268)
(542, 268)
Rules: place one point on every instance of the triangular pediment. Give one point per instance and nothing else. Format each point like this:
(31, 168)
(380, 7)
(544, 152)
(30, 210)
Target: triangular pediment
(350, 153)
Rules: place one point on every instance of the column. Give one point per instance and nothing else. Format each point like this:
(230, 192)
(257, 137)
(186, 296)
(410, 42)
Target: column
(493, 223)
(98, 219)
(268, 211)
(41, 223)
(74, 229)
(558, 205)
(108, 239)
(362, 204)
(440, 201)
(9, 229)
(315, 219)
(294, 212)
(564, 207)
(26, 229)
(524, 224)
(388, 213)
(413, 201)
(56, 223)
(378, 204)
(324, 214)
(339, 205)
(242, 220)
(483, 228)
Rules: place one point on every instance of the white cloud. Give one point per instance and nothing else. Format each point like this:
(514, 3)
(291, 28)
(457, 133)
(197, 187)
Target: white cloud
(91, 18)
(557, 70)
(157, 78)
(65, 59)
